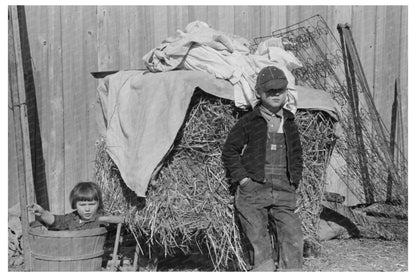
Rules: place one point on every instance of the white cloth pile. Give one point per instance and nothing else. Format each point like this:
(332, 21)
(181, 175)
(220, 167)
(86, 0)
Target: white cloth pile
(201, 48)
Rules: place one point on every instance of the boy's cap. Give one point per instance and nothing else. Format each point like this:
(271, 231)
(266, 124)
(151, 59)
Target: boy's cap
(271, 77)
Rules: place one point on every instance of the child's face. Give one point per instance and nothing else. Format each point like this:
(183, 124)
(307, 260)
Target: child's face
(87, 209)
(273, 99)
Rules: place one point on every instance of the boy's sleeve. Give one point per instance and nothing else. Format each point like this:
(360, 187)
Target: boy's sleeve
(298, 157)
(233, 146)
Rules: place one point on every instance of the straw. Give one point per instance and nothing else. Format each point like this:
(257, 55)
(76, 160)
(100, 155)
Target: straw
(189, 203)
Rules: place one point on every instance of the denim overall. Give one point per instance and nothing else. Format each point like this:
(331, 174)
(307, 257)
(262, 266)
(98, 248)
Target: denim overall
(268, 208)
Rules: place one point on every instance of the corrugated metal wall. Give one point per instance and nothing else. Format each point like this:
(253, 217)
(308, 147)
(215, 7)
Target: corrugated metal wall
(68, 42)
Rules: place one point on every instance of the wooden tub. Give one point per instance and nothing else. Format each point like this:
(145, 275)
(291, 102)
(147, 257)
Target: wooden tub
(66, 250)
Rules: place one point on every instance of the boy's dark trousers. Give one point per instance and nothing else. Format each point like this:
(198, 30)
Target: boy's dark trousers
(274, 199)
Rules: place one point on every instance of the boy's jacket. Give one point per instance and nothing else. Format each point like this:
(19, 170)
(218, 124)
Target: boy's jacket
(250, 134)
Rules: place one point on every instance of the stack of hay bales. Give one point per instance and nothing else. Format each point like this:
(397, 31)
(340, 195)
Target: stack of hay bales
(189, 203)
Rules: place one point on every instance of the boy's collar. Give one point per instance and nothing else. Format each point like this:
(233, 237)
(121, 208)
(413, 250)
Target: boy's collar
(270, 113)
(286, 113)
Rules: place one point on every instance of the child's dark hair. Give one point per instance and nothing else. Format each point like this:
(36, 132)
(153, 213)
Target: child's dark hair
(86, 191)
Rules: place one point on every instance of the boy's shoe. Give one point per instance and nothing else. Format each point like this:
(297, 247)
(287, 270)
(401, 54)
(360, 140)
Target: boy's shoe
(267, 265)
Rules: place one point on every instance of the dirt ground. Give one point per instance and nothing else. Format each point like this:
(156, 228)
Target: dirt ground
(360, 255)
(346, 255)
(336, 255)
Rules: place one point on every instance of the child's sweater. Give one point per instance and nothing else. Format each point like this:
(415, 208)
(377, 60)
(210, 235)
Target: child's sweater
(72, 221)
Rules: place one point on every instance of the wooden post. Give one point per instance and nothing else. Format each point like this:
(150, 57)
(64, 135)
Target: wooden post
(115, 250)
(375, 117)
(392, 139)
(21, 127)
(136, 258)
(354, 104)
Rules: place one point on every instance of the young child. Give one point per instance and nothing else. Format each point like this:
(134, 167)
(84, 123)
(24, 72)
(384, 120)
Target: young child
(263, 155)
(87, 201)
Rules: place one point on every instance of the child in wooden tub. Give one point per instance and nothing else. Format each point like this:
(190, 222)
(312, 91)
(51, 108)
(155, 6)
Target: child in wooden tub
(86, 200)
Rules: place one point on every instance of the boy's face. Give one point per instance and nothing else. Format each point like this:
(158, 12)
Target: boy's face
(87, 209)
(273, 99)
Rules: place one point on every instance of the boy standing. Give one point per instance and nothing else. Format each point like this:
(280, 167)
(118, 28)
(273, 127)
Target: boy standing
(263, 154)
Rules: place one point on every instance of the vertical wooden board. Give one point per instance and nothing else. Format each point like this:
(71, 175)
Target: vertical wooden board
(277, 18)
(174, 20)
(37, 19)
(15, 92)
(213, 17)
(365, 27)
(265, 20)
(247, 21)
(108, 37)
(160, 25)
(376, 82)
(226, 19)
(123, 23)
(321, 10)
(403, 49)
(255, 22)
(79, 59)
(312, 16)
(241, 18)
(102, 38)
(306, 12)
(32, 103)
(368, 41)
(320, 13)
(143, 35)
(337, 15)
(13, 177)
(177, 19)
(292, 15)
(13, 192)
(148, 25)
(390, 63)
(136, 38)
(74, 98)
(183, 16)
(55, 152)
(116, 32)
(199, 13)
(89, 64)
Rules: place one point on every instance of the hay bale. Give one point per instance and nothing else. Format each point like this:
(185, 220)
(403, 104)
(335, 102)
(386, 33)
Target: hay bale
(189, 204)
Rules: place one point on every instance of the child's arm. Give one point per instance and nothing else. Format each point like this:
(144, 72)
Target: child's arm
(44, 215)
(111, 219)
